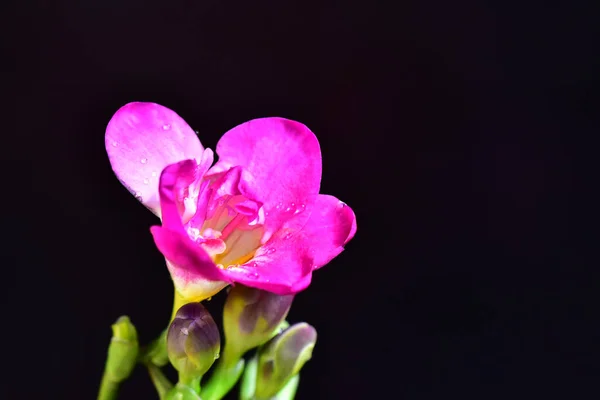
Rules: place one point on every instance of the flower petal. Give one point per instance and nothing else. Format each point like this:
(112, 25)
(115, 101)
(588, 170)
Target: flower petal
(141, 140)
(193, 271)
(283, 158)
(285, 263)
(331, 225)
(195, 275)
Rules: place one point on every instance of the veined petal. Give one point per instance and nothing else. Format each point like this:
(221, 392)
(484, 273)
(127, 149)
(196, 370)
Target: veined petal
(141, 140)
(283, 159)
(285, 263)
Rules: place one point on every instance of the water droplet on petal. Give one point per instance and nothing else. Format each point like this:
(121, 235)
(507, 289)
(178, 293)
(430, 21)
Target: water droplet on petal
(153, 173)
(146, 181)
(185, 331)
(209, 299)
(217, 356)
(138, 195)
(166, 127)
(300, 209)
(255, 274)
(287, 236)
(271, 250)
(144, 160)
(114, 143)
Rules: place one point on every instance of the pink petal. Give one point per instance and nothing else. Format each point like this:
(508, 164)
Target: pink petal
(284, 265)
(190, 266)
(331, 225)
(282, 158)
(141, 140)
(188, 260)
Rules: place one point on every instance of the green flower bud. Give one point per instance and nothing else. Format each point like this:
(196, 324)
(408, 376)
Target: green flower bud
(122, 351)
(251, 317)
(193, 340)
(282, 358)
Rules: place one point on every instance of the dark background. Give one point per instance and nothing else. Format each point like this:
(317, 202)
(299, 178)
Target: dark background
(447, 126)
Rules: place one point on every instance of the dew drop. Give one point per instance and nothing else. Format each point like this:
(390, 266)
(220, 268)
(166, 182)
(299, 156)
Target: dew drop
(217, 356)
(209, 299)
(166, 127)
(255, 274)
(153, 173)
(185, 331)
(271, 250)
(146, 181)
(114, 143)
(138, 195)
(300, 209)
(287, 236)
(144, 160)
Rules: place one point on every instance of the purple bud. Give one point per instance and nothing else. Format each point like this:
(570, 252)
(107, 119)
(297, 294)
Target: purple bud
(251, 316)
(283, 357)
(193, 340)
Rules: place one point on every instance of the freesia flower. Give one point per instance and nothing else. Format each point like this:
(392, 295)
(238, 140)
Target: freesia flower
(255, 217)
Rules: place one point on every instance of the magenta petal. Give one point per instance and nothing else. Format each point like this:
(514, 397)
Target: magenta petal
(189, 262)
(331, 225)
(141, 140)
(193, 271)
(283, 158)
(174, 180)
(285, 263)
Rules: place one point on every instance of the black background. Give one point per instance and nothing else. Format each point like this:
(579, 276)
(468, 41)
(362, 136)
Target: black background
(446, 126)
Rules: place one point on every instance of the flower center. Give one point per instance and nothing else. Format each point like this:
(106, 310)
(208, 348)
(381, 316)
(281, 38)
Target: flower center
(232, 231)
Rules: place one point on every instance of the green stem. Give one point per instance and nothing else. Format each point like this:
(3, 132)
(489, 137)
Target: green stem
(108, 388)
(160, 381)
(190, 381)
(226, 374)
(156, 352)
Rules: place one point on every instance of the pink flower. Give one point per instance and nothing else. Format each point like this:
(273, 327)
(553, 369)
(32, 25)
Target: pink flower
(255, 217)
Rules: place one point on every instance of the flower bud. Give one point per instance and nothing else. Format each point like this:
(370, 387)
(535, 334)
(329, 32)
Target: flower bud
(282, 358)
(193, 341)
(251, 317)
(122, 351)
